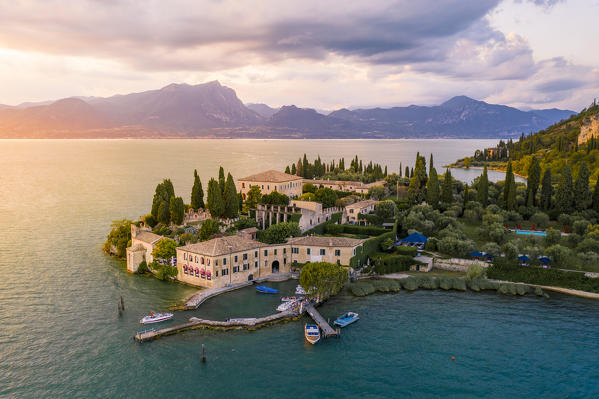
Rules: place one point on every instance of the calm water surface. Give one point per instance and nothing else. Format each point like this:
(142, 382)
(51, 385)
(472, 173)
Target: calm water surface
(60, 335)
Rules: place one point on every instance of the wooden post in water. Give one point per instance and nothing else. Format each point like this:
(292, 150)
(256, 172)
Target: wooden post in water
(119, 309)
(203, 354)
(122, 303)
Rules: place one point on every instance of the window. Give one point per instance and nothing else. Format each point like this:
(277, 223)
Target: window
(256, 264)
(351, 211)
(185, 256)
(268, 187)
(216, 273)
(266, 252)
(263, 187)
(284, 250)
(353, 251)
(208, 262)
(245, 256)
(242, 185)
(275, 251)
(196, 259)
(235, 269)
(246, 266)
(284, 261)
(275, 188)
(235, 258)
(255, 254)
(337, 252)
(295, 250)
(201, 260)
(322, 251)
(224, 261)
(308, 251)
(225, 272)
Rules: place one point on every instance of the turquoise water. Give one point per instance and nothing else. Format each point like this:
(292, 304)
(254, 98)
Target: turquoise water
(61, 336)
(528, 233)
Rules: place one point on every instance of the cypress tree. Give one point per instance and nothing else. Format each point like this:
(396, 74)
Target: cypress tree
(546, 190)
(432, 189)
(430, 164)
(164, 215)
(447, 193)
(595, 203)
(407, 173)
(582, 194)
(533, 180)
(221, 180)
(216, 205)
(177, 210)
(482, 194)
(293, 170)
(564, 196)
(300, 169)
(400, 169)
(511, 199)
(163, 193)
(287, 170)
(509, 178)
(230, 198)
(197, 192)
(466, 195)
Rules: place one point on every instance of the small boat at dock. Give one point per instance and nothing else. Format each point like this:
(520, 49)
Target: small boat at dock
(346, 319)
(312, 333)
(299, 290)
(287, 306)
(266, 290)
(291, 298)
(156, 318)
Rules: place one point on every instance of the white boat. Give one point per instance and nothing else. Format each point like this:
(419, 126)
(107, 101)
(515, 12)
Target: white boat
(156, 318)
(312, 333)
(287, 306)
(346, 319)
(299, 290)
(291, 298)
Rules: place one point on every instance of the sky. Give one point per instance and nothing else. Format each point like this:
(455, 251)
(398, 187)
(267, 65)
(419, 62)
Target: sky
(319, 54)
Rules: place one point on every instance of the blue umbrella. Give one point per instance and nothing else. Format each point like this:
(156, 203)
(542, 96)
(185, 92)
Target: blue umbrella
(544, 259)
(476, 254)
(523, 258)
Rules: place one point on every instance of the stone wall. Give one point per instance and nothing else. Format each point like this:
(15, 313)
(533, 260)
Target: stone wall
(456, 264)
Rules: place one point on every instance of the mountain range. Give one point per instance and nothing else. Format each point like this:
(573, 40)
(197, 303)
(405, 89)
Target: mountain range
(213, 110)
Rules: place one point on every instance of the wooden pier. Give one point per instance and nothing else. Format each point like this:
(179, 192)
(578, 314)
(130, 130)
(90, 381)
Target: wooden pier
(327, 330)
(194, 322)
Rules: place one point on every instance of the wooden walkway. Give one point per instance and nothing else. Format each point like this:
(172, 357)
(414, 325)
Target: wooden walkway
(327, 330)
(194, 322)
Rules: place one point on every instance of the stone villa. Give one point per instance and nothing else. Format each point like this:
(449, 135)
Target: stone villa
(353, 210)
(143, 242)
(272, 180)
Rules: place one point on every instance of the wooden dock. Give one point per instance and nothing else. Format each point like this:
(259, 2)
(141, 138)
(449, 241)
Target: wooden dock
(194, 322)
(327, 330)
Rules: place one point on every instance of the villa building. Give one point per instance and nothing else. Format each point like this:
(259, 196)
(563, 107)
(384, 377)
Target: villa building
(233, 259)
(143, 242)
(347, 186)
(272, 180)
(353, 210)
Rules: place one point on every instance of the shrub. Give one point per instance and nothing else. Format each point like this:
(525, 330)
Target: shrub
(320, 229)
(361, 288)
(142, 268)
(553, 237)
(580, 226)
(409, 251)
(476, 271)
(384, 264)
(540, 219)
(354, 229)
(559, 254)
(386, 209)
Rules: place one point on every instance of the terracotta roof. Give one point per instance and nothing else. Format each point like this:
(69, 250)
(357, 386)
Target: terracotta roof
(148, 237)
(271, 176)
(357, 184)
(326, 241)
(361, 204)
(220, 246)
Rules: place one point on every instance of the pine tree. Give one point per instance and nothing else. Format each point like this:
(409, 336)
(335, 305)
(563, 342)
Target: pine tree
(447, 193)
(546, 190)
(595, 203)
(163, 193)
(533, 180)
(582, 194)
(216, 205)
(432, 189)
(197, 193)
(482, 194)
(230, 198)
(221, 180)
(564, 196)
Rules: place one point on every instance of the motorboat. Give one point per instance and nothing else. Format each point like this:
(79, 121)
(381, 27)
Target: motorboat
(287, 306)
(156, 318)
(312, 333)
(346, 319)
(291, 298)
(299, 290)
(266, 290)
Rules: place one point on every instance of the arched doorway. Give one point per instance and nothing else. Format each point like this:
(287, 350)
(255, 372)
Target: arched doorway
(250, 277)
(275, 266)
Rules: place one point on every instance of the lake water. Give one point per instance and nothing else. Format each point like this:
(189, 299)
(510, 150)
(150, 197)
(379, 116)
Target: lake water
(61, 336)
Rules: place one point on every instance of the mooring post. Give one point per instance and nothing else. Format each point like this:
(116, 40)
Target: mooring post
(203, 354)
(119, 309)
(122, 303)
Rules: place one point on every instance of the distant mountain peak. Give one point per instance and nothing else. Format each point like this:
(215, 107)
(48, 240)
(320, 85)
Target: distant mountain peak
(459, 101)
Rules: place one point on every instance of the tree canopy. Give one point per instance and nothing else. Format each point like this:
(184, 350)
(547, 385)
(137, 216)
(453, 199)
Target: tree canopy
(320, 280)
(197, 192)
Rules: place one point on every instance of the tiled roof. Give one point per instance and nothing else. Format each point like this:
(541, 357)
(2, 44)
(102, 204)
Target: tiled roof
(220, 246)
(326, 241)
(361, 204)
(148, 237)
(271, 176)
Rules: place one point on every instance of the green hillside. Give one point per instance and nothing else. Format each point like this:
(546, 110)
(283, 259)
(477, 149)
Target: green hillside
(553, 147)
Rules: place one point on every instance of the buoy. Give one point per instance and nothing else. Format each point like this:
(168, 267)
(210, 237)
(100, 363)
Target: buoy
(452, 358)
(203, 354)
